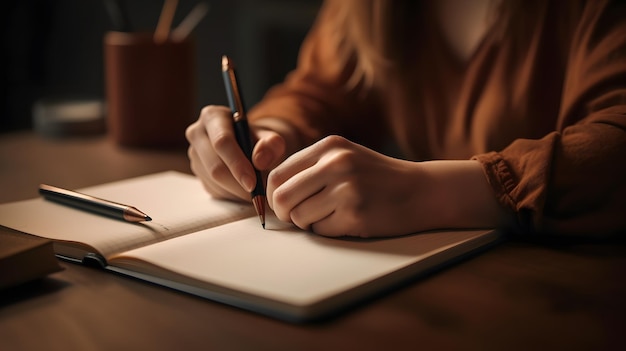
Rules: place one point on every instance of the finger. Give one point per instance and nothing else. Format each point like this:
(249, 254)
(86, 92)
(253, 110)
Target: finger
(278, 200)
(295, 164)
(219, 184)
(205, 163)
(325, 214)
(307, 157)
(294, 190)
(312, 210)
(269, 150)
(332, 225)
(223, 141)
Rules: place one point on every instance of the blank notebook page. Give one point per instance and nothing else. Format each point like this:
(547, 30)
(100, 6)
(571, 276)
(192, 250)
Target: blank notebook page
(286, 264)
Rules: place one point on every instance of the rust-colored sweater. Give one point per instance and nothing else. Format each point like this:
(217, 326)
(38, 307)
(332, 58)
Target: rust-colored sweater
(543, 110)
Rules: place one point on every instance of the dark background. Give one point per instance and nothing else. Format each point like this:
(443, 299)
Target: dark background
(53, 48)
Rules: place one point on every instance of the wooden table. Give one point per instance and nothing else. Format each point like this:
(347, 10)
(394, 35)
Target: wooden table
(519, 295)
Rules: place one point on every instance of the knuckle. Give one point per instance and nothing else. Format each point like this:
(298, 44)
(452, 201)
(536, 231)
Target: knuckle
(221, 140)
(216, 170)
(191, 153)
(339, 162)
(208, 111)
(274, 178)
(280, 198)
(343, 157)
(191, 131)
(334, 141)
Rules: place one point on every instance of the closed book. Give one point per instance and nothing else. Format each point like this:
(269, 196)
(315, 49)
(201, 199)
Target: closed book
(24, 258)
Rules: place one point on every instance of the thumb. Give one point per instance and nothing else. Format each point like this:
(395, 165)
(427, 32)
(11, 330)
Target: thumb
(269, 150)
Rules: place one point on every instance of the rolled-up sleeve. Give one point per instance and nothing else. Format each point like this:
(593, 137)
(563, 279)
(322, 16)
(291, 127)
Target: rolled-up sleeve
(573, 180)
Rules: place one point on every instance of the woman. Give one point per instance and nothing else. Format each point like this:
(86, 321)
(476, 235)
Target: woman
(511, 114)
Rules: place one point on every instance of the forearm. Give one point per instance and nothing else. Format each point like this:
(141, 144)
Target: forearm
(456, 194)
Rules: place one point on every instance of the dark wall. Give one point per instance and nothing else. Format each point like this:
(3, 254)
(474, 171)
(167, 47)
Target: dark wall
(53, 48)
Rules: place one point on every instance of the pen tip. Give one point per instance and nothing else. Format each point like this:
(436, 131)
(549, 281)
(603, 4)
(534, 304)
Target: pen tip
(147, 218)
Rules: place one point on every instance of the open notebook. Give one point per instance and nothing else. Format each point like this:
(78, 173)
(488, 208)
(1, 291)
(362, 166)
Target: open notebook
(218, 249)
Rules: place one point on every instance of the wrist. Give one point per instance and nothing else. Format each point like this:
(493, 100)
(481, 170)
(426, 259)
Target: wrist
(456, 194)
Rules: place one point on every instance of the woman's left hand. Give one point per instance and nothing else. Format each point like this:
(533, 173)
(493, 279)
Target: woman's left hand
(336, 187)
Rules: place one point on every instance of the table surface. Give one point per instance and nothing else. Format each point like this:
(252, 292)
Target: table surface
(518, 295)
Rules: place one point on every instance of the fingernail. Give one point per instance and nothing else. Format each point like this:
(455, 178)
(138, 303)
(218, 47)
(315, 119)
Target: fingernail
(247, 182)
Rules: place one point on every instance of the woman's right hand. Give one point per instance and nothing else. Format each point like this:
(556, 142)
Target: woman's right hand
(218, 161)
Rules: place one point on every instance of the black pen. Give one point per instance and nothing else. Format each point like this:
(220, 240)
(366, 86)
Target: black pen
(92, 204)
(242, 131)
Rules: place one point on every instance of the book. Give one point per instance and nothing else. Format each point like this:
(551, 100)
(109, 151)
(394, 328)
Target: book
(218, 250)
(24, 258)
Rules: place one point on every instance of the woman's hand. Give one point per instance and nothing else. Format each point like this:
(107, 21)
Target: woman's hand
(218, 161)
(336, 188)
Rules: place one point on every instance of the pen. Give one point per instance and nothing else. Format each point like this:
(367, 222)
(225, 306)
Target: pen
(242, 131)
(92, 204)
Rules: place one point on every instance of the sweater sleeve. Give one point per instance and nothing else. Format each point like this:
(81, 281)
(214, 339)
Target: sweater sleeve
(316, 98)
(573, 180)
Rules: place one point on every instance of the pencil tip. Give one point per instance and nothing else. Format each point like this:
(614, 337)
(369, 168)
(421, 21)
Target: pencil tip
(148, 218)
